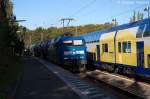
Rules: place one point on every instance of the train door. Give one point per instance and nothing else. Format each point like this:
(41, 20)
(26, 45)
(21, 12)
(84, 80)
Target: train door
(140, 53)
(98, 52)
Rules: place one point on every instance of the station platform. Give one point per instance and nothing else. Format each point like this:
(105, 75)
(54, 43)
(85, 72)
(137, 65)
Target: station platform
(37, 82)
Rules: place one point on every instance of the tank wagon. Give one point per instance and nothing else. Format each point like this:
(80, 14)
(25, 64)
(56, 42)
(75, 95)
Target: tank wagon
(124, 48)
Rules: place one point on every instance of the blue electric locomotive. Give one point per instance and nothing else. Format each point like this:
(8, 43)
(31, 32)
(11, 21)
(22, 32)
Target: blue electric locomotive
(69, 51)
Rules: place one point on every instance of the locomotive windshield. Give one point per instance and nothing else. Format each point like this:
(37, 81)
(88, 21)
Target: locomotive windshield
(73, 43)
(77, 42)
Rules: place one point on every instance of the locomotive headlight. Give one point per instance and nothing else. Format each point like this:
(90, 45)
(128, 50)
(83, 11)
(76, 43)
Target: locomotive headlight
(82, 57)
(80, 52)
(74, 52)
(65, 58)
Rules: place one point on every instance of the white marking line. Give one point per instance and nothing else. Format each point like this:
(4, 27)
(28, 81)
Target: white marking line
(80, 84)
(83, 96)
(89, 89)
(93, 92)
(97, 95)
(83, 87)
(74, 81)
(90, 93)
(124, 78)
(71, 78)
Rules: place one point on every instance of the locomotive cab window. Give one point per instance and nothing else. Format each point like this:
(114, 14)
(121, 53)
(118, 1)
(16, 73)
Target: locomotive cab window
(68, 43)
(73, 43)
(77, 42)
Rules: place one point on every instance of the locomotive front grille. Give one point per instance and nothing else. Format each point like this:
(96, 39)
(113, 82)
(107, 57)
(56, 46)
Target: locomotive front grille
(75, 62)
(82, 62)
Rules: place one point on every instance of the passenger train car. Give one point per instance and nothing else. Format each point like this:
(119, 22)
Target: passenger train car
(69, 51)
(124, 48)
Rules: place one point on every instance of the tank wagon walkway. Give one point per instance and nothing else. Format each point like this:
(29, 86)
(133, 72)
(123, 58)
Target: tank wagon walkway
(38, 82)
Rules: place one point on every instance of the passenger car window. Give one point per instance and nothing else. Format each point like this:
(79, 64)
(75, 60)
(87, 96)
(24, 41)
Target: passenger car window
(119, 47)
(124, 47)
(147, 31)
(129, 47)
(105, 47)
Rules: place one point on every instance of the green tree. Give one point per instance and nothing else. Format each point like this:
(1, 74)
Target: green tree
(53, 32)
(4, 30)
(8, 28)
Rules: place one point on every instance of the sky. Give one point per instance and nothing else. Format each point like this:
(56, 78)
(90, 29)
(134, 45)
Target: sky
(47, 13)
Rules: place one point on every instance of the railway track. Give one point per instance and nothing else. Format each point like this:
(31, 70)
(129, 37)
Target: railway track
(83, 86)
(128, 85)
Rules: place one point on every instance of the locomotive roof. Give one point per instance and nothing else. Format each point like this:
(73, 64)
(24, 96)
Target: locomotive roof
(63, 38)
(94, 36)
(70, 38)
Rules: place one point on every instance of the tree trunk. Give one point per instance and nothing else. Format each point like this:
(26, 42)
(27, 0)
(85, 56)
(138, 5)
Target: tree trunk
(5, 51)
